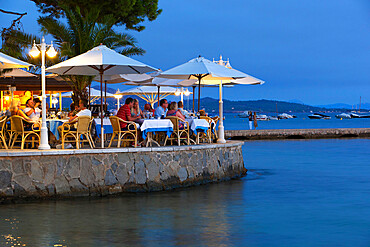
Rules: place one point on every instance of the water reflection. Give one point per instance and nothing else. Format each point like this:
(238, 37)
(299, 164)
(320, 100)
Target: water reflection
(297, 193)
(194, 216)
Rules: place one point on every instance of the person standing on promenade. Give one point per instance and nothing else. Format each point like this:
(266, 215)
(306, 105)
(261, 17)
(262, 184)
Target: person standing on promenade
(255, 120)
(250, 118)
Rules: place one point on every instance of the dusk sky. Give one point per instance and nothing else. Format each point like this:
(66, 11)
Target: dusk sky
(311, 50)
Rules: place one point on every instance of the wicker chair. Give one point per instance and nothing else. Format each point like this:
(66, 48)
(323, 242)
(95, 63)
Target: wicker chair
(17, 130)
(82, 130)
(121, 134)
(3, 121)
(178, 134)
(211, 132)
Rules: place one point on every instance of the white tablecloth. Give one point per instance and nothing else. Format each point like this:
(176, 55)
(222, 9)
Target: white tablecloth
(198, 124)
(53, 125)
(154, 125)
(108, 129)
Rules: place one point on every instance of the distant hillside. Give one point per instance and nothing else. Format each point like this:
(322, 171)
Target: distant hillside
(346, 106)
(263, 105)
(211, 105)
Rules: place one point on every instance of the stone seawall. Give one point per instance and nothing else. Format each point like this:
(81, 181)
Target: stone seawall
(65, 173)
(296, 133)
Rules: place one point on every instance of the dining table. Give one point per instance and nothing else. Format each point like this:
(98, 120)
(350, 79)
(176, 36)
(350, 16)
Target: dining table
(196, 125)
(107, 126)
(53, 124)
(151, 126)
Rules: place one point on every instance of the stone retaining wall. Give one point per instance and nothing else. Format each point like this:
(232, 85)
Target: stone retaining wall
(64, 173)
(296, 133)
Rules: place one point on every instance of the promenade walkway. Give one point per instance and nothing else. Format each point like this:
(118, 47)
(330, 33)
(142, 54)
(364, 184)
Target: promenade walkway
(296, 133)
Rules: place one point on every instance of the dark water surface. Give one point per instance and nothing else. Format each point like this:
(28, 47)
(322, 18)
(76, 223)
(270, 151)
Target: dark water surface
(297, 193)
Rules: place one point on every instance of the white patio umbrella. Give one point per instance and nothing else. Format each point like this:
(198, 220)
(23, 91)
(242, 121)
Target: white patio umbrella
(8, 62)
(100, 61)
(209, 73)
(18, 73)
(149, 93)
(150, 79)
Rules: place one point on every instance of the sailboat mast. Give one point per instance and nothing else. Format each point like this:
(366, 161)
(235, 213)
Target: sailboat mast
(359, 108)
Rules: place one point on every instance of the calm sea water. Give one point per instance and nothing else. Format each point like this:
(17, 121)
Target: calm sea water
(232, 122)
(297, 193)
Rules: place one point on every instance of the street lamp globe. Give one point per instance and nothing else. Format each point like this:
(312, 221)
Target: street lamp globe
(51, 51)
(34, 52)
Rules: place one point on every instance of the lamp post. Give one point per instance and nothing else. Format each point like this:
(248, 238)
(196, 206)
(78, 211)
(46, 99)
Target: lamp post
(35, 52)
(118, 96)
(181, 93)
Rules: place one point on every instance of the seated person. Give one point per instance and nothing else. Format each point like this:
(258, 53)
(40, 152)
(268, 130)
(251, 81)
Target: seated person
(161, 109)
(15, 111)
(148, 108)
(174, 111)
(181, 109)
(73, 110)
(32, 110)
(124, 112)
(137, 113)
(83, 112)
(202, 113)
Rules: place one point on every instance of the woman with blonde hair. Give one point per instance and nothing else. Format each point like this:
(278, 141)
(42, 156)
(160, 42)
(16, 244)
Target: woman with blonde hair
(15, 111)
(174, 111)
(136, 112)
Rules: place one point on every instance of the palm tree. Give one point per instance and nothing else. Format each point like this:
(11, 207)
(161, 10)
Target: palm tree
(78, 35)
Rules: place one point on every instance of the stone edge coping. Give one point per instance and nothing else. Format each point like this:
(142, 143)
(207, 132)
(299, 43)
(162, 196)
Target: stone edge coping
(22, 153)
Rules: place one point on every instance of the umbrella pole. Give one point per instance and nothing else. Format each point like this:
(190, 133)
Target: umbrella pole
(105, 93)
(221, 132)
(158, 95)
(194, 97)
(89, 92)
(199, 78)
(101, 107)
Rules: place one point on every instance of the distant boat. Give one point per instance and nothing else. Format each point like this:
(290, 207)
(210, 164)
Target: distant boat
(355, 115)
(244, 114)
(343, 115)
(262, 117)
(286, 116)
(318, 116)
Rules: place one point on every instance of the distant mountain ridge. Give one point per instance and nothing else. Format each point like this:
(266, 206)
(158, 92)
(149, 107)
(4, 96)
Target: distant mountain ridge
(346, 106)
(263, 105)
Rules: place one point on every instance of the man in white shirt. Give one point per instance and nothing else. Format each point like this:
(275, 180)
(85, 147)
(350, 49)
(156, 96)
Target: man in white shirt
(32, 110)
(181, 108)
(83, 110)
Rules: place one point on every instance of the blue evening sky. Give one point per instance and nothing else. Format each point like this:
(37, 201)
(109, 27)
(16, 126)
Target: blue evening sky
(311, 50)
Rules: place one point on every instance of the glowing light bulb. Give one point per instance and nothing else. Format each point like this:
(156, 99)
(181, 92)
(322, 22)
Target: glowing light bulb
(51, 52)
(34, 52)
(177, 92)
(186, 93)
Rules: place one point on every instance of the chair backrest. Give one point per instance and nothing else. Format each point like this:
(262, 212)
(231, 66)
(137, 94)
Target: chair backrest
(175, 122)
(114, 120)
(16, 123)
(208, 119)
(3, 121)
(215, 119)
(211, 122)
(83, 124)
